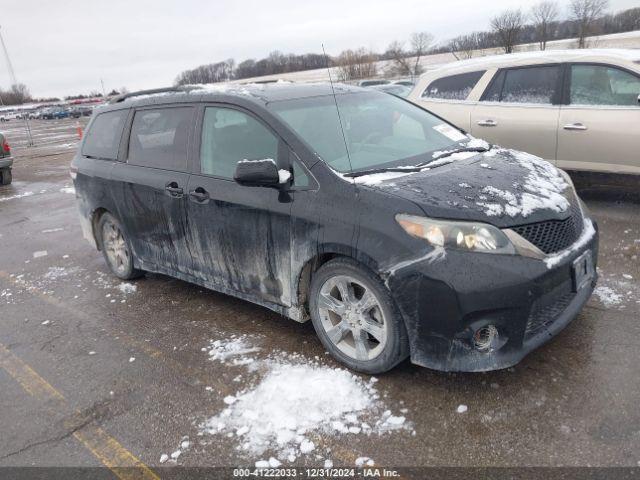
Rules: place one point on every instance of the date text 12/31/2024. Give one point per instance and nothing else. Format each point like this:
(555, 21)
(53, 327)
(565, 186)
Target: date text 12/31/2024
(367, 472)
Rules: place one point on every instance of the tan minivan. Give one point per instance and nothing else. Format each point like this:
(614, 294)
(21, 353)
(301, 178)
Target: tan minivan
(579, 109)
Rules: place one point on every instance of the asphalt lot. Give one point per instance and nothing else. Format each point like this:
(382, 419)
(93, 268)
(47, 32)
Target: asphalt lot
(94, 372)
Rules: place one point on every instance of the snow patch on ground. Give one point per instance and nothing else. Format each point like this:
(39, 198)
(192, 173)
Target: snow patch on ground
(68, 190)
(607, 296)
(127, 288)
(234, 350)
(616, 292)
(13, 197)
(55, 273)
(173, 457)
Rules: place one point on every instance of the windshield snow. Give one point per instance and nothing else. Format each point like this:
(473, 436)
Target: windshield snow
(380, 130)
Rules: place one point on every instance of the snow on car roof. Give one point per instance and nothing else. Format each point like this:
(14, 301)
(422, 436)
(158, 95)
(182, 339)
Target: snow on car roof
(547, 56)
(264, 92)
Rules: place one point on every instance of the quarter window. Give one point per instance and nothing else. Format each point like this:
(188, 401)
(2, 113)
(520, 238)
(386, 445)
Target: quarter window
(159, 138)
(525, 85)
(454, 87)
(103, 138)
(229, 136)
(602, 85)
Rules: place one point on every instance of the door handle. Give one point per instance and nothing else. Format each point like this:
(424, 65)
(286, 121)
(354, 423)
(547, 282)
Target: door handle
(488, 123)
(173, 190)
(199, 195)
(575, 126)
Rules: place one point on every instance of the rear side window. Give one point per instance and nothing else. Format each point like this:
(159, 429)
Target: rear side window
(229, 136)
(454, 87)
(525, 85)
(103, 138)
(159, 138)
(603, 85)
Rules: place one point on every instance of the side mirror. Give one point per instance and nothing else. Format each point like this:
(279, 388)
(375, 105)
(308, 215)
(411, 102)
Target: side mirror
(257, 173)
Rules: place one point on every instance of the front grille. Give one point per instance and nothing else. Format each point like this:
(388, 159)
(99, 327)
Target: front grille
(553, 235)
(546, 309)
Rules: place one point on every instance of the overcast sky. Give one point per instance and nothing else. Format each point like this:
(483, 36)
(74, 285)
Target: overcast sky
(65, 47)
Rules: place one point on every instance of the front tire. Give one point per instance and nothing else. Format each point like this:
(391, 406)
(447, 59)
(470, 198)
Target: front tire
(355, 317)
(116, 248)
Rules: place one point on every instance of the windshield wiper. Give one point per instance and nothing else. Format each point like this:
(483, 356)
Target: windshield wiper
(382, 170)
(418, 167)
(448, 153)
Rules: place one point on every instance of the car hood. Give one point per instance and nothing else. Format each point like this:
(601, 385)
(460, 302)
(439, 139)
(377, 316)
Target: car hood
(502, 187)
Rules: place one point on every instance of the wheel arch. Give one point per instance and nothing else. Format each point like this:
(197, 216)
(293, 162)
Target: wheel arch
(325, 254)
(96, 215)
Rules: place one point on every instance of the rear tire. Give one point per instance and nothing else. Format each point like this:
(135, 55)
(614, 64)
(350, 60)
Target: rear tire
(355, 317)
(116, 248)
(6, 176)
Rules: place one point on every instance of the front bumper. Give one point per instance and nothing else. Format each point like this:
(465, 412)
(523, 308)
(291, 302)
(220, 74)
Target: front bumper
(443, 302)
(6, 162)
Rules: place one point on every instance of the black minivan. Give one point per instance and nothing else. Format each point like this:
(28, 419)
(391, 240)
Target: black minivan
(396, 233)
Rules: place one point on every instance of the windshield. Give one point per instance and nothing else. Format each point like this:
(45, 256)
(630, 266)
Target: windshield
(381, 130)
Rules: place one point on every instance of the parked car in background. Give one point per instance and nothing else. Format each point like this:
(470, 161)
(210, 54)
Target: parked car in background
(396, 89)
(406, 83)
(54, 113)
(371, 83)
(577, 108)
(6, 161)
(8, 116)
(80, 111)
(396, 233)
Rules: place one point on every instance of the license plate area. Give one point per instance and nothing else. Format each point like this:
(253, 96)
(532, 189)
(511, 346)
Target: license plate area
(582, 271)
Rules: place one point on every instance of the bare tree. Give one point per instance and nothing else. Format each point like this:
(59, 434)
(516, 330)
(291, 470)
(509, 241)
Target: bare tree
(16, 95)
(398, 55)
(543, 15)
(403, 64)
(354, 64)
(464, 46)
(420, 44)
(506, 27)
(584, 13)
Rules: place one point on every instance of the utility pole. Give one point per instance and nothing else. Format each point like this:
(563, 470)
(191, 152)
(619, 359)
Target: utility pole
(14, 81)
(12, 74)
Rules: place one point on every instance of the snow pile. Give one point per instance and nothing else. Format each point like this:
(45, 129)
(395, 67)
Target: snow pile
(68, 190)
(542, 189)
(234, 350)
(292, 402)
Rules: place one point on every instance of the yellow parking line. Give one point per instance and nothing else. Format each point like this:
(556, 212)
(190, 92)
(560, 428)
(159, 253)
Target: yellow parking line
(34, 384)
(105, 448)
(346, 455)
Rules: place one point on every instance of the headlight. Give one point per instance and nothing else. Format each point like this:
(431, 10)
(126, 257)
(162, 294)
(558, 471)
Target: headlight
(470, 236)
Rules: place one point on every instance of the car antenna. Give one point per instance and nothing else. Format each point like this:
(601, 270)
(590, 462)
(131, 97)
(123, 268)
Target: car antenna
(335, 99)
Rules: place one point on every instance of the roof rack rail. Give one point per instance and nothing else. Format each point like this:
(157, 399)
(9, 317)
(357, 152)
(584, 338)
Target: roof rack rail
(124, 96)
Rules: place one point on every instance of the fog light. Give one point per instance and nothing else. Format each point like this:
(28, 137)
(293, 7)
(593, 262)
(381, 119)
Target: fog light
(485, 338)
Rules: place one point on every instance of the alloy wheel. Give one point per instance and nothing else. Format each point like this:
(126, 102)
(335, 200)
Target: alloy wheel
(352, 317)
